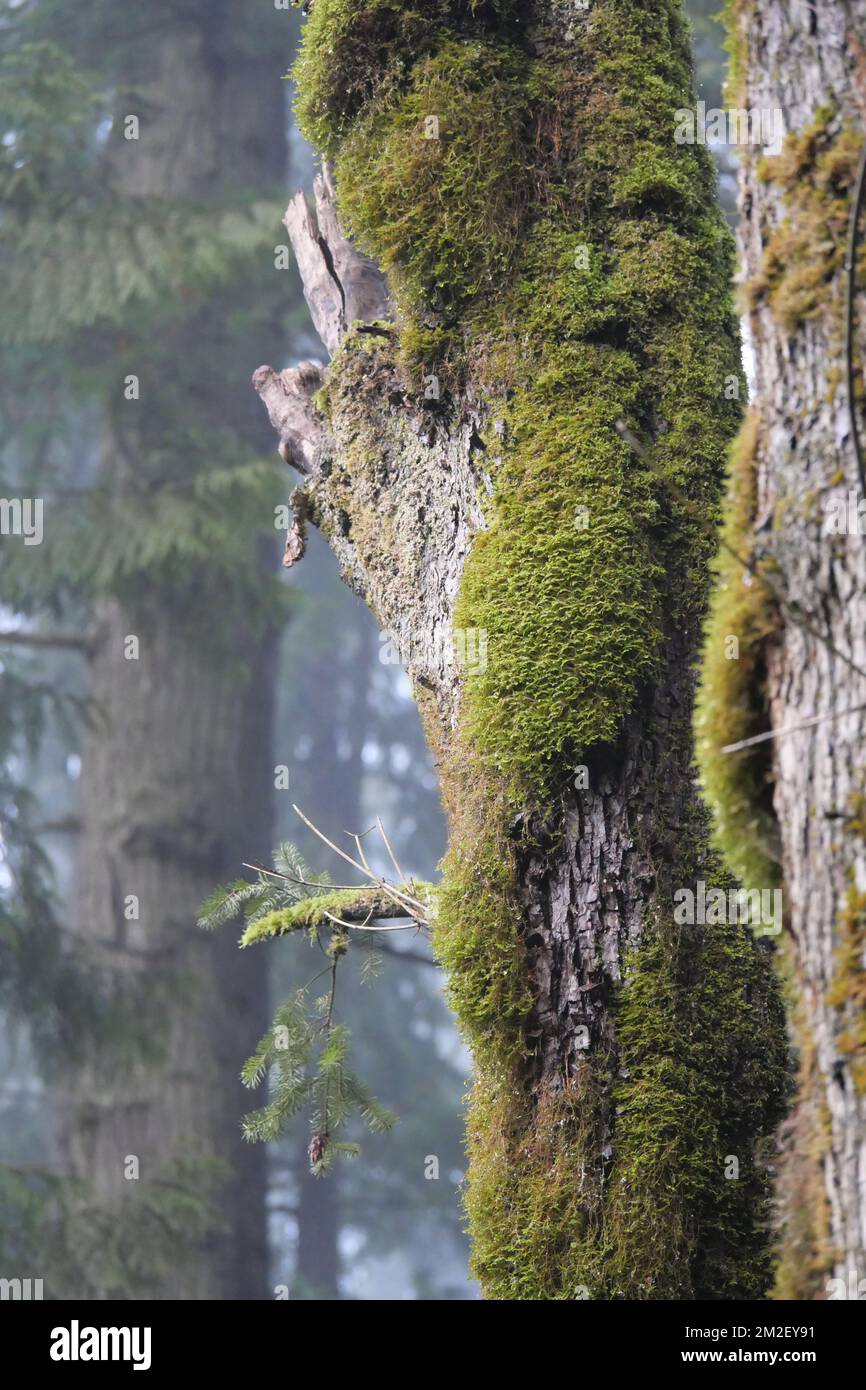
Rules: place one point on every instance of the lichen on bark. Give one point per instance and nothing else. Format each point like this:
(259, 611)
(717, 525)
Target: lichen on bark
(561, 274)
(815, 173)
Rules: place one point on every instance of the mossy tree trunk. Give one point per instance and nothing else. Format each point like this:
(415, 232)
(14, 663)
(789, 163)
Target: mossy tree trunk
(518, 465)
(804, 635)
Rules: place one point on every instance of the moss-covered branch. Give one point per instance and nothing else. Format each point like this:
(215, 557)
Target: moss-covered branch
(359, 907)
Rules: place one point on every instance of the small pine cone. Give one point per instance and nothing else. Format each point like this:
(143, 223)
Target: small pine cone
(318, 1145)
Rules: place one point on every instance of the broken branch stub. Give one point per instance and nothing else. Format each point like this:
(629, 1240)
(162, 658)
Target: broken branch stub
(288, 398)
(341, 286)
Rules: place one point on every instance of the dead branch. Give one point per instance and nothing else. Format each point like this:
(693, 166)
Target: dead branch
(69, 641)
(288, 398)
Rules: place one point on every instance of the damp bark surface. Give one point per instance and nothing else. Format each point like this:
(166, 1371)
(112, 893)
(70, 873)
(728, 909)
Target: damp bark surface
(805, 64)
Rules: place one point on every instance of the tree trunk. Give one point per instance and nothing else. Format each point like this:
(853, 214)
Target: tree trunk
(518, 467)
(176, 787)
(806, 657)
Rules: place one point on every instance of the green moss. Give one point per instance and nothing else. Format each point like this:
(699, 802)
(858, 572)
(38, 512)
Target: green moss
(606, 319)
(569, 635)
(731, 704)
(805, 253)
(702, 1045)
(312, 912)
(354, 50)
(535, 1195)
(476, 935)
(442, 215)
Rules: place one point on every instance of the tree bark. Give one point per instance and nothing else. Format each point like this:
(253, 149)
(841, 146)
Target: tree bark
(620, 1056)
(177, 775)
(317, 1270)
(806, 63)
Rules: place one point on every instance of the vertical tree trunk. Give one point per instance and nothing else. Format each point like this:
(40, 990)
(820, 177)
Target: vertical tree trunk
(805, 653)
(519, 470)
(177, 773)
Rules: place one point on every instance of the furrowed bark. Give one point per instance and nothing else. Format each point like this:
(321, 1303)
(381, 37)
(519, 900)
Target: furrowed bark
(805, 66)
(620, 1057)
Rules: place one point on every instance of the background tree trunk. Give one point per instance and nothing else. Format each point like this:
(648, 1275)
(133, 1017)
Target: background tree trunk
(808, 654)
(318, 1214)
(521, 480)
(177, 773)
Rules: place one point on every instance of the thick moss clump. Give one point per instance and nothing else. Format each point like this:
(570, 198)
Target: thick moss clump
(702, 1044)
(483, 955)
(355, 50)
(613, 320)
(731, 702)
(535, 1198)
(570, 636)
(442, 215)
(556, 248)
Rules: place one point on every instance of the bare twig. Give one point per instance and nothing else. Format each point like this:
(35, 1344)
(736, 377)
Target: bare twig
(790, 729)
(361, 855)
(67, 825)
(399, 871)
(290, 878)
(382, 883)
(362, 926)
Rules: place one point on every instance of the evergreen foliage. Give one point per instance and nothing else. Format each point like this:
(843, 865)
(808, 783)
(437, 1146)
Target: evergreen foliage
(304, 1055)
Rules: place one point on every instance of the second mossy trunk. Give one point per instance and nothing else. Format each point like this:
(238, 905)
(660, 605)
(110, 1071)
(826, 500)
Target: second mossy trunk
(795, 800)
